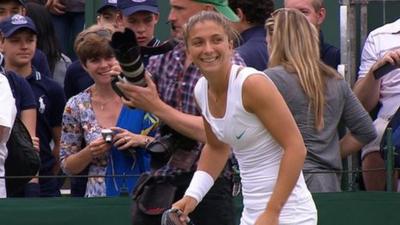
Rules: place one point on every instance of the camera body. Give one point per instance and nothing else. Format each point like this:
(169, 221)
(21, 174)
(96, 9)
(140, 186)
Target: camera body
(163, 148)
(108, 135)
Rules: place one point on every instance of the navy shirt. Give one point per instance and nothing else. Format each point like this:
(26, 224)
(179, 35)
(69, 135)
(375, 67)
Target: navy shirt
(330, 55)
(50, 101)
(77, 79)
(22, 92)
(253, 47)
(40, 62)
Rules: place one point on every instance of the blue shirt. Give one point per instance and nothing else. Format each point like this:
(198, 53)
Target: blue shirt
(22, 92)
(253, 47)
(50, 101)
(330, 55)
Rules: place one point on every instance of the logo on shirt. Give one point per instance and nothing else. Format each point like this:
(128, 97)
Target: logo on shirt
(240, 135)
(42, 105)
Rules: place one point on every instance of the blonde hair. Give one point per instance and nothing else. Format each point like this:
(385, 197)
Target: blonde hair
(295, 46)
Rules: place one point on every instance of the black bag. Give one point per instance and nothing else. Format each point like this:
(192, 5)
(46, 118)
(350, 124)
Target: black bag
(151, 196)
(22, 159)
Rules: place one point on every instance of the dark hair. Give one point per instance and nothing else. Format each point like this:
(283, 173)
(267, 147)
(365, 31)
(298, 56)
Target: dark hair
(256, 11)
(46, 38)
(93, 42)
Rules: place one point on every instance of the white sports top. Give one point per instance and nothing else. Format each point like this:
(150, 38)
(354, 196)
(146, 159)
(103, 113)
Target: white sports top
(257, 152)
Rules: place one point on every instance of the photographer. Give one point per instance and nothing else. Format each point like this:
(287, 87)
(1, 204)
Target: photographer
(119, 151)
(169, 96)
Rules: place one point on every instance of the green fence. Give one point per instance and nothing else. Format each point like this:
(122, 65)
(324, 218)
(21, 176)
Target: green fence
(347, 208)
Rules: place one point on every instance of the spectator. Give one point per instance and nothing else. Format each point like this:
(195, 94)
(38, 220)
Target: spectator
(19, 44)
(252, 46)
(7, 116)
(68, 18)
(47, 41)
(318, 98)
(261, 132)
(381, 46)
(142, 18)
(315, 12)
(108, 13)
(11, 7)
(100, 107)
(170, 98)
(77, 80)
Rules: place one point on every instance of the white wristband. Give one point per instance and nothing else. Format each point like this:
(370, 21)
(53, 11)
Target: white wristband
(199, 186)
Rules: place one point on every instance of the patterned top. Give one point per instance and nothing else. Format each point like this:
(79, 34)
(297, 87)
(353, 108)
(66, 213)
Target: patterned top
(176, 84)
(80, 126)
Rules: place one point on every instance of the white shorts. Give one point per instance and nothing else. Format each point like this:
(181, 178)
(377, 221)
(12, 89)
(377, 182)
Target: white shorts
(374, 146)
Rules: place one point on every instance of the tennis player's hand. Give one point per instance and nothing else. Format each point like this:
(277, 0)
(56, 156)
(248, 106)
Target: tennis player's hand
(268, 218)
(187, 204)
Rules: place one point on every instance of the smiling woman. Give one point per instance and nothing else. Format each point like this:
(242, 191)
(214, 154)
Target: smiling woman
(261, 132)
(99, 107)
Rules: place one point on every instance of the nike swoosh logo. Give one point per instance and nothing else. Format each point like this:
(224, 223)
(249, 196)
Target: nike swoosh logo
(240, 135)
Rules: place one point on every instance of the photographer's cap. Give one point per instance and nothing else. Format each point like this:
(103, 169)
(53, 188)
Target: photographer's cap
(107, 4)
(16, 22)
(222, 7)
(129, 7)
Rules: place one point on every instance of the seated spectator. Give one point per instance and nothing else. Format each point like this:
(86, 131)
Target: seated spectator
(252, 46)
(318, 98)
(47, 41)
(7, 117)
(99, 107)
(382, 46)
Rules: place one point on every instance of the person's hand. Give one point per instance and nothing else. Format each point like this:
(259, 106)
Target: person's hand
(267, 218)
(55, 7)
(115, 68)
(145, 98)
(124, 139)
(186, 204)
(36, 144)
(392, 57)
(98, 147)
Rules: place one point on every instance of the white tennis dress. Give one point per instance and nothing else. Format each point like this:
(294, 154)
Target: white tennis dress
(258, 154)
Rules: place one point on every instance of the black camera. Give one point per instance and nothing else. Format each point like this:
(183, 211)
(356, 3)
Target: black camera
(127, 52)
(169, 142)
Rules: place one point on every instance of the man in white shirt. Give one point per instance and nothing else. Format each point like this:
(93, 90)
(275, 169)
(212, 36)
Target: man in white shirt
(7, 117)
(381, 46)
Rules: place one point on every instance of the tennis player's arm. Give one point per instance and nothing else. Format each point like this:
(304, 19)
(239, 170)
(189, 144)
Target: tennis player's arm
(214, 155)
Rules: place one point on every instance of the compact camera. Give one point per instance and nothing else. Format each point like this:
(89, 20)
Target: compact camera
(108, 135)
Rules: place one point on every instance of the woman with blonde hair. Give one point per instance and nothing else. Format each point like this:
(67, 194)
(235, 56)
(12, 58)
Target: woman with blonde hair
(318, 97)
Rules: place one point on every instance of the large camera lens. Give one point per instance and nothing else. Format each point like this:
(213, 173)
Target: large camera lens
(127, 52)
